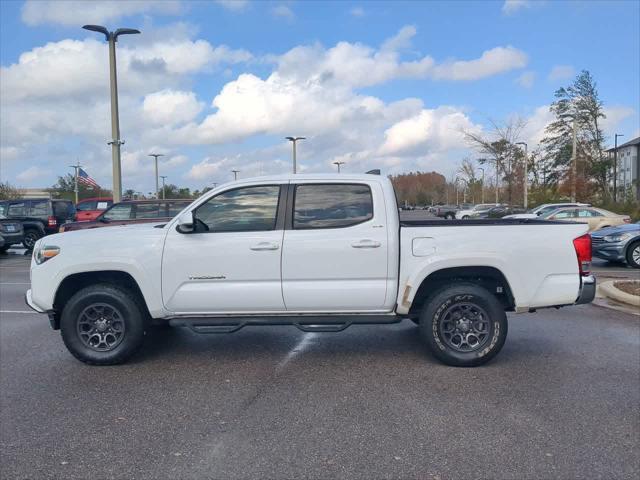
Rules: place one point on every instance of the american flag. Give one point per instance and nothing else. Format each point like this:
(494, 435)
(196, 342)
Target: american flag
(85, 179)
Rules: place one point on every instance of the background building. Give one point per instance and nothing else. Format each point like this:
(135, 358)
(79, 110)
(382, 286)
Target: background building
(628, 168)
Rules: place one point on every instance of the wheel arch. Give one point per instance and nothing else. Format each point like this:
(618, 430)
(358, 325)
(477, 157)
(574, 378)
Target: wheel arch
(76, 281)
(490, 278)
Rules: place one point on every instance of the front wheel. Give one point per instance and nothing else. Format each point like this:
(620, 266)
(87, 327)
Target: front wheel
(633, 255)
(103, 325)
(464, 325)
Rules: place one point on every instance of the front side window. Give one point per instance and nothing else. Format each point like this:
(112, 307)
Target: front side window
(147, 210)
(331, 206)
(86, 206)
(118, 212)
(16, 209)
(247, 209)
(564, 214)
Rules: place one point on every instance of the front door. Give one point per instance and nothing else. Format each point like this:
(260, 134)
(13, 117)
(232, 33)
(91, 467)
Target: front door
(231, 262)
(335, 248)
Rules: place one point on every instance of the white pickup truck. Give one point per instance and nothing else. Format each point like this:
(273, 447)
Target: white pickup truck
(320, 252)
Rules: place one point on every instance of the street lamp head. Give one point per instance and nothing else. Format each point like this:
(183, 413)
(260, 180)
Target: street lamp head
(156, 155)
(125, 31)
(295, 139)
(99, 29)
(521, 143)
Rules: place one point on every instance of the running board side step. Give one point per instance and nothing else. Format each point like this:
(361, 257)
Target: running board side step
(305, 323)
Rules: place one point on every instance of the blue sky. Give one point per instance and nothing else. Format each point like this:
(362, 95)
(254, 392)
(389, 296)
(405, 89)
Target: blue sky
(216, 85)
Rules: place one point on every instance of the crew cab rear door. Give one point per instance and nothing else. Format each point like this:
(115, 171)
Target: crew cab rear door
(334, 255)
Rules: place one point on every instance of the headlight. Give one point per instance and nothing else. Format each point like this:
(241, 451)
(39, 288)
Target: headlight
(44, 253)
(621, 237)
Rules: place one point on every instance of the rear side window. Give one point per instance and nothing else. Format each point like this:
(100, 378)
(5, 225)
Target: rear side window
(39, 208)
(331, 206)
(147, 210)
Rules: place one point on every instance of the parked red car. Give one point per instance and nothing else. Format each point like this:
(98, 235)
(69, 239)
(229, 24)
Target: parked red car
(89, 208)
(133, 211)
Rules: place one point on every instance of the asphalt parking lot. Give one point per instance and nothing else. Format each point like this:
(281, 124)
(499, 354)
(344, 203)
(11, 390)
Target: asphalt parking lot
(562, 400)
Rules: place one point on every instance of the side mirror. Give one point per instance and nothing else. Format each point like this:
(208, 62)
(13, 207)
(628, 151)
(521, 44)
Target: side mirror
(185, 223)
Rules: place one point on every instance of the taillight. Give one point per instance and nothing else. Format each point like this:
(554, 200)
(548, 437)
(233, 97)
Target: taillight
(52, 221)
(583, 251)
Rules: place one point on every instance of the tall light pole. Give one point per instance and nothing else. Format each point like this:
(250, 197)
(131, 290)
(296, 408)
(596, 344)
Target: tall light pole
(526, 173)
(294, 140)
(338, 164)
(163, 177)
(482, 187)
(235, 174)
(155, 156)
(75, 176)
(615, 167)
(112, 38)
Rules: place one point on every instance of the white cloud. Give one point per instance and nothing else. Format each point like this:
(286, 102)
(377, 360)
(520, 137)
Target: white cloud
(82, 12)
(171, 107)
(441, 128)
(357, 12)
(615, 115)
(283, 11)
(32, 173)
(491, 62)
(561, 72)
(509, 7)
(526, 80)
(233, 5)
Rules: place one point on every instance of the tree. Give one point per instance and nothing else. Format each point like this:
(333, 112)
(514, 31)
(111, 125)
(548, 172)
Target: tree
(418, 188)
(8, 191)
(500, 150)
(65, 188)
(579, 103)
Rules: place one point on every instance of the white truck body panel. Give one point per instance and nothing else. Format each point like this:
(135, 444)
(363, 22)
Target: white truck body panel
(320, 270)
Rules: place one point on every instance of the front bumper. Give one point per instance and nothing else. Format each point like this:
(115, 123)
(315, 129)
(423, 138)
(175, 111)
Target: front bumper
(12, 238)
(609, 251)
(587, 290)
(29, 301)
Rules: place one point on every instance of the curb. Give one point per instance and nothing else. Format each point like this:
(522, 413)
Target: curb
(610, 291)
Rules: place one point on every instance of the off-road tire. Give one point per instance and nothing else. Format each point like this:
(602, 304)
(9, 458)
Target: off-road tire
(134, 317)
(444, 301)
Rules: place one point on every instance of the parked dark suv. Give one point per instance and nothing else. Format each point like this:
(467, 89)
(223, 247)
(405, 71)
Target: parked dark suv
(39, 216)
(132, 211)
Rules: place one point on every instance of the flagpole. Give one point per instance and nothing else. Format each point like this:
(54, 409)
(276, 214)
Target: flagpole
(76, 167)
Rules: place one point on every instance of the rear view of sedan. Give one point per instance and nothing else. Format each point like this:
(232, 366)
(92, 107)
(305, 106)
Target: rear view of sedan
(11, 231)
(618, 244)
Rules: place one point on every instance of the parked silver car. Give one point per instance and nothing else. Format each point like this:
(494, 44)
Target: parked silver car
(618, 244)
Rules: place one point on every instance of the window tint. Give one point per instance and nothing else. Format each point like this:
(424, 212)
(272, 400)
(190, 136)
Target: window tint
(39, 208)
(121, 211)
(242, 209)
(331, 206)
(586, 213)
(86, 206)
(63, 209)
(16, 209)
(3, 209)
(147, 210)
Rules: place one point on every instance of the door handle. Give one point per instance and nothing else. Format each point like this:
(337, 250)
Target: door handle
(265, 246)
(366, 244)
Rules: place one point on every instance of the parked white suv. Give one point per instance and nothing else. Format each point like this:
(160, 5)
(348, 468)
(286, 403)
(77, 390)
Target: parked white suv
(321, 252)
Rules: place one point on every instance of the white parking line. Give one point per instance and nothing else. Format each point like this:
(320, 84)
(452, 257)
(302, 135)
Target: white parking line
(304, 342)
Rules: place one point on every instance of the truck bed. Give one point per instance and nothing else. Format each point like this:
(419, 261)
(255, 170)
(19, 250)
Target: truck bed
(441, 222)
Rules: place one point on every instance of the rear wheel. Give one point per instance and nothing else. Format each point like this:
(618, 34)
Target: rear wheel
(464, 325)
(103, 325)
(30, 238)
(450, 216)
(633, 255)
